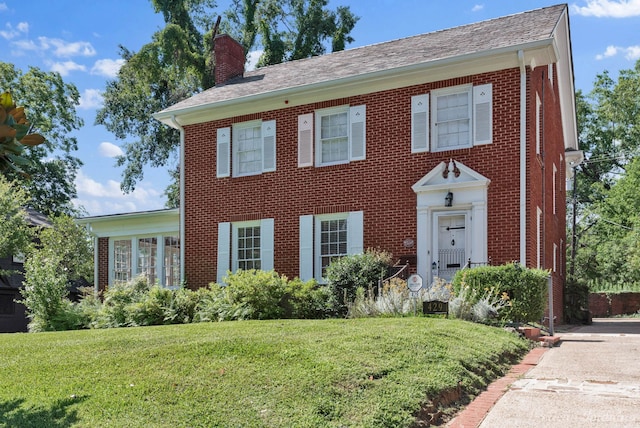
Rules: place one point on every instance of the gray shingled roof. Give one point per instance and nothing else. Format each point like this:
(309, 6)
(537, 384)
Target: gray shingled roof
(504, 32)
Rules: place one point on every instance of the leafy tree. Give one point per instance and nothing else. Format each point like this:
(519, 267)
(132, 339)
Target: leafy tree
(15, 233)
(605, 204)
(178, 63)
(64, 255)
(50, 105)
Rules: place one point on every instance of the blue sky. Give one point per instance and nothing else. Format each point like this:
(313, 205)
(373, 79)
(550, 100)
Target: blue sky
(80, 39)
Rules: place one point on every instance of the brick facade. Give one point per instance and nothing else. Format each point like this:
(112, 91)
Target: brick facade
(103, 263)
(381, 185)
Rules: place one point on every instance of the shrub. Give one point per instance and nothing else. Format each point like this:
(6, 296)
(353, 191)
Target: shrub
(44, 292)
(306, 300)
(524, 288)
(346, 274)
(257, 294)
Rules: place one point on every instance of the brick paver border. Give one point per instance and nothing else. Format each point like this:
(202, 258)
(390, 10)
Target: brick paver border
(473, 415)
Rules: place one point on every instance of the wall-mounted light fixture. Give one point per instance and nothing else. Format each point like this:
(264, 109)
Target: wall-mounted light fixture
(448, 200)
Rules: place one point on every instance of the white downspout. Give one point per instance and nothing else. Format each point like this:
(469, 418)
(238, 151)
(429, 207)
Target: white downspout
(181, 208)
(523, 159)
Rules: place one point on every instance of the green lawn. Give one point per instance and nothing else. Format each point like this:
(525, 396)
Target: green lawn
(328, 373)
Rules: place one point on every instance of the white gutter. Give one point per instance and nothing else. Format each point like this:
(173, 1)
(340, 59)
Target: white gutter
(523, 159)
(176, 125)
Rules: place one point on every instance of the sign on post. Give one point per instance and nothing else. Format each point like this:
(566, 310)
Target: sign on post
(414, 282)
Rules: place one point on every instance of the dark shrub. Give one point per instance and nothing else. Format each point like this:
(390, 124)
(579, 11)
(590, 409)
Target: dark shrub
(347, 274)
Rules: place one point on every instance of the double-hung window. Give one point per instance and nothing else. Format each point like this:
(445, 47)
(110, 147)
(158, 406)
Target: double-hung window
(247, 148)
(333, 136)
(244, 245)
(332, 234)
(460, 117)
(339, 136)
(451, 118)
(327, 237)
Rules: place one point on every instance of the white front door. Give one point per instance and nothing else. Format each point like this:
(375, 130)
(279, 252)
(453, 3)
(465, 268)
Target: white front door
(451, 245)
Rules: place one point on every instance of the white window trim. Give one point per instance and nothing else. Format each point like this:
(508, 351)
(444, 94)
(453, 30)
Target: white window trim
(228, 245)
(234, 241)
(555, 180)
(435, 94)
(135, 252)
(539, 238)
(235, 165)
(355, 115)
(319, 114)
(355, 234)
(538, 124)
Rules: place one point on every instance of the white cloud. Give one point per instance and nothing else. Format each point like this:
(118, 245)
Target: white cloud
(65, 49)
(91, 99)
(252, 60)
(11, 32)
(609, 52)
(109, 150)
(477, 8)
(64, 68)
(609, 8)
(107, 198)
(631, 53)
(107, 67)
(3, 7)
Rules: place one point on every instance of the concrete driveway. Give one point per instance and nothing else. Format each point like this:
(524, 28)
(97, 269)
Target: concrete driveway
(590, 379)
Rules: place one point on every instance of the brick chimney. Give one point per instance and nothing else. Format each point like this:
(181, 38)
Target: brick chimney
(229, 58)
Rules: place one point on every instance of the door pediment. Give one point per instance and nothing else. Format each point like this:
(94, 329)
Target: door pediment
(450, 176)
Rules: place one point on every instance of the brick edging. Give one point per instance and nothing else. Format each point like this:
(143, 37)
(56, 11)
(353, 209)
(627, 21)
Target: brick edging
(473, 415)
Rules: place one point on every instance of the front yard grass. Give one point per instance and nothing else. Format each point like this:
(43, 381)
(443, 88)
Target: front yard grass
(287, 373)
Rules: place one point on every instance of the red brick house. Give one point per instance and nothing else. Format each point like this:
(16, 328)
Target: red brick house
(440, 148)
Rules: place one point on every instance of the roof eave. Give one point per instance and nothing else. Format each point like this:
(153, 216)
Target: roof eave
(536, 53)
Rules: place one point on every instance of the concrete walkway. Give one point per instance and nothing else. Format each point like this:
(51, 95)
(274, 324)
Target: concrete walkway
(590, 379)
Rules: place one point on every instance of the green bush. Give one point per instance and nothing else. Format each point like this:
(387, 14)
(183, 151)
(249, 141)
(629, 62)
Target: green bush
(346, 274)
(306, 300)
(526, 289)
(45, 293)
(257, 294)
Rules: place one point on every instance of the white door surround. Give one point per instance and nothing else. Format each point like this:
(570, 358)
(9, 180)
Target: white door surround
(469, 191)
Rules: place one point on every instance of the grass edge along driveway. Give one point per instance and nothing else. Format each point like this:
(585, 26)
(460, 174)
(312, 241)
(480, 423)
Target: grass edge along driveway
(286, 373)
